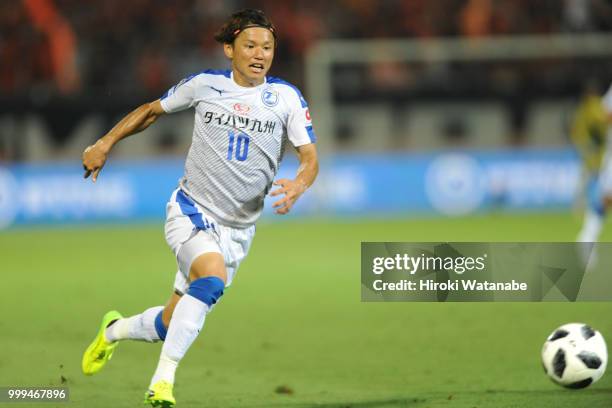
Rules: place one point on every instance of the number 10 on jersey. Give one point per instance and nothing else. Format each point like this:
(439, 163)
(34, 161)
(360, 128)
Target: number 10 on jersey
(240, 142)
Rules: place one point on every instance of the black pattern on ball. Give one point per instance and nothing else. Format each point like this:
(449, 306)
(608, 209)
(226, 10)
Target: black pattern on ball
(580, 384)
(559, 363)
(587, 332)
(590, 359)
(559, 334)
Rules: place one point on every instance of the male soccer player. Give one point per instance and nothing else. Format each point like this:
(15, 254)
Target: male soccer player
(243, 120)
(591, 135)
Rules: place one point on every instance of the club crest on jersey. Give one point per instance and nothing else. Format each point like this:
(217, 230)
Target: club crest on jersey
(241, 108)
(269, 97)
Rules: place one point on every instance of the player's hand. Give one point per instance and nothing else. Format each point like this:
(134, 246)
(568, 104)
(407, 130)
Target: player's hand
(292, 190)
(94, 158)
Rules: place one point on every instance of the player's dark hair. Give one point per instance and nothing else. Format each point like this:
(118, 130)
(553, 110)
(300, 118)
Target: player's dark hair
(241, 20)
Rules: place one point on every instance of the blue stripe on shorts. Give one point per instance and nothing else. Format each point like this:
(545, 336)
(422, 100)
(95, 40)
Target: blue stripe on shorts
(189, 209)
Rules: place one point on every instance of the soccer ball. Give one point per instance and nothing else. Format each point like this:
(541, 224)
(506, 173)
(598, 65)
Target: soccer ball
(575, 355)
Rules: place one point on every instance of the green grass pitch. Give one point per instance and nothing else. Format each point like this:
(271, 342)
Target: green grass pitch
(291, 332)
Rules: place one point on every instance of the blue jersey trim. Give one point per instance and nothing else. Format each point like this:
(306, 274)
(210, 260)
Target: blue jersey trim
(166, 94)
(181, 82)
(225, 72)
(275, 80)
(311, 134)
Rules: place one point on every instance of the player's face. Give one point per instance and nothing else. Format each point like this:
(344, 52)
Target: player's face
(251, 55)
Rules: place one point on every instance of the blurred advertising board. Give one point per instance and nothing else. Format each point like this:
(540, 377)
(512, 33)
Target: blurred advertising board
(442, 183)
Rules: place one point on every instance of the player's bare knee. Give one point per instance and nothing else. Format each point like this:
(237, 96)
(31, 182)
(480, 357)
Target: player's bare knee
(208, 264)
(208, 277)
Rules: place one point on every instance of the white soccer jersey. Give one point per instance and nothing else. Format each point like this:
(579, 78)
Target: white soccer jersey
(239, 137)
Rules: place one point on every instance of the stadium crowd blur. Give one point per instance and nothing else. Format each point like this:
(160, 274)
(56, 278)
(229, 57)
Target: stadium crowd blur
(141, 47)
(109, 52)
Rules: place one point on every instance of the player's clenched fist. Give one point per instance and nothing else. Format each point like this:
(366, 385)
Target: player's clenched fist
(94, 157)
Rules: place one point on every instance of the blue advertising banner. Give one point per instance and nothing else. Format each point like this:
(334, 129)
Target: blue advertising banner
(57, 193)
(447, 183)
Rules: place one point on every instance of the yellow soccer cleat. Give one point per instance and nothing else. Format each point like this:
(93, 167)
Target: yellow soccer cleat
(160, 395)
(100, 350)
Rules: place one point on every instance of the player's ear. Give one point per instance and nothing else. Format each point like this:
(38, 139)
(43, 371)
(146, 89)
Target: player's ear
(228, 49)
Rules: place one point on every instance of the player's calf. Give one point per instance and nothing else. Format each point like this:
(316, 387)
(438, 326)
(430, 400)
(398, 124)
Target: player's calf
(189, 316)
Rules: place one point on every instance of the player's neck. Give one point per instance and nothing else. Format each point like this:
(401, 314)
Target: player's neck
(243, 81)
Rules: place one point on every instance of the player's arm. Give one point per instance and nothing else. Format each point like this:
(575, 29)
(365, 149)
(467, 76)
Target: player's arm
(306, 175)
(136, 121)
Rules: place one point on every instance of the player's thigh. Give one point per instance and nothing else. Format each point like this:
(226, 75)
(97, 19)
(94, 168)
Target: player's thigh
(236, 246)
(201, 256)
(178, 228)
(208, 264)
(220, 252)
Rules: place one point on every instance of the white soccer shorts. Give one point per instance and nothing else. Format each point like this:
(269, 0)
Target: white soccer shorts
(191, 232)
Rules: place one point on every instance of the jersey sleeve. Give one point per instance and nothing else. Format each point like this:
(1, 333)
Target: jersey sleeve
(181, 96)
(607, 101)
(299, 125)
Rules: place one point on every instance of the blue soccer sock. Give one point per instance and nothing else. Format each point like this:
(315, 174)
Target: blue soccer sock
(186, 323)
(160, 328)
